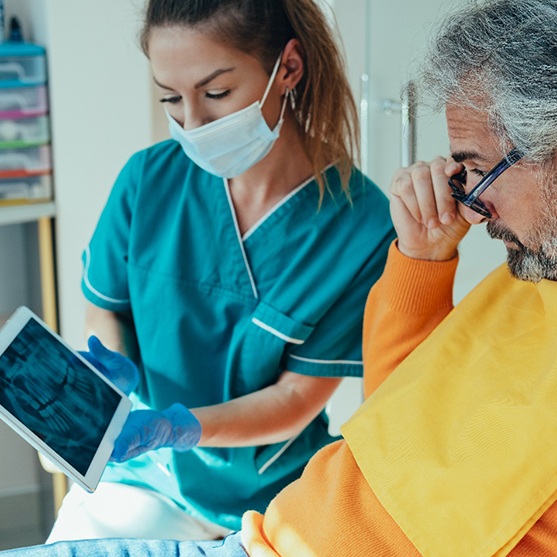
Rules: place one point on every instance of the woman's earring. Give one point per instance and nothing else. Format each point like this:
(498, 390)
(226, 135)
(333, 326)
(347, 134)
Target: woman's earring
(293, 96)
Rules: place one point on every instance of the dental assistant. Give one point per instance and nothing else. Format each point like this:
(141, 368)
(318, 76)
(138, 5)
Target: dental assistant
(232, 264)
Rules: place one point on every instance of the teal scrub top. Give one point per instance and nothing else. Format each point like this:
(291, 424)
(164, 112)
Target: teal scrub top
(218, 315)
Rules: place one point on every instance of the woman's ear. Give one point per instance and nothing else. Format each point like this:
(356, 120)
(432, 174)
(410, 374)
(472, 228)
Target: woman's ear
(292, 66)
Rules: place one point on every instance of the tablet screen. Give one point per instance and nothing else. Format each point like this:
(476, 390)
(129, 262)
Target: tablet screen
(55, 395)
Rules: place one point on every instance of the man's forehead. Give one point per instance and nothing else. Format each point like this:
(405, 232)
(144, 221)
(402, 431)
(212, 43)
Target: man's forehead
(470, 136)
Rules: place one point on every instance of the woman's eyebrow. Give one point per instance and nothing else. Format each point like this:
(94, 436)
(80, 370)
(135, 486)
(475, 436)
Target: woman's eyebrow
(199, 84)
(212, 76)
(158, 83)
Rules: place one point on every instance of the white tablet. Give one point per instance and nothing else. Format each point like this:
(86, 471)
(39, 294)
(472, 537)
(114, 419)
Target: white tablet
(56, 400)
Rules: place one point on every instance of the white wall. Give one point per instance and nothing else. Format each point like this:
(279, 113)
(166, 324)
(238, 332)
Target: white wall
(386, 41)
(103, 110)
(101, 106)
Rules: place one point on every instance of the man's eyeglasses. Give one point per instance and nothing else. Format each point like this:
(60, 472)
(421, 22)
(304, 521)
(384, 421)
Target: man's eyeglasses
(458, 183)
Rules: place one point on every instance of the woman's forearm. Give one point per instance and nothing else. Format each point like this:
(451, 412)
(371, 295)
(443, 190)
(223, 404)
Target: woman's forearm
(271, 415)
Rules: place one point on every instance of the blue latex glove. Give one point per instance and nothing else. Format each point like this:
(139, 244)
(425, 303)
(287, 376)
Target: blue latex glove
(113, 365)
(147, 430)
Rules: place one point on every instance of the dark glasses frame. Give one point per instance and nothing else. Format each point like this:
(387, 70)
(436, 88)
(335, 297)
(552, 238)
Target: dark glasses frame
(457, 184)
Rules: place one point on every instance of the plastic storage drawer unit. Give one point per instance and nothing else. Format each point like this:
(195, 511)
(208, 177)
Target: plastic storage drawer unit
(21, 64)
(27, 160)
(26, 188)
(23, 132)
(23, 101)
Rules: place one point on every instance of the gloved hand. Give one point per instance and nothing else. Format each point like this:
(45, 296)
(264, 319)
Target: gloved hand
(147, 430)
(113, 365)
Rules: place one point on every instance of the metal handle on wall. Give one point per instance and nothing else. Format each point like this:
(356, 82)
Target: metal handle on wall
(408, 112)
(408, 124)
(364, 122)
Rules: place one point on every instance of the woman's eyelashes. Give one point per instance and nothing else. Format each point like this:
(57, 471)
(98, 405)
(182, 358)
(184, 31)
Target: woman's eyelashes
(175, 99)
(172, 100)
(219, 95)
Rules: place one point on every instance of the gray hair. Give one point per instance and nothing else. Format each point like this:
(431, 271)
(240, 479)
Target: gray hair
(501, 56)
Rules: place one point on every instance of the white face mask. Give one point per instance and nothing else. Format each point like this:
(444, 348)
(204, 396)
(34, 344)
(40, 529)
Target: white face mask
(232, 144)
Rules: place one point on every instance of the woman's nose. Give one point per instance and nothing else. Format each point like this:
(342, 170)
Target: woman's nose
(192, 119)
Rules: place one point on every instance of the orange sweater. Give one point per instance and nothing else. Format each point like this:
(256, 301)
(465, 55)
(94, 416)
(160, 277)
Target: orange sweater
(331, 510)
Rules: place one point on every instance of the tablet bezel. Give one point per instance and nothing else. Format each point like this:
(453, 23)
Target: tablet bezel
(89, 481)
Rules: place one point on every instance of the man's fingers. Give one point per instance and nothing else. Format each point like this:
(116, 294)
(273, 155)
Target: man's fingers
(402, 187)
(425, 193)
(423, 189)
(441, 169)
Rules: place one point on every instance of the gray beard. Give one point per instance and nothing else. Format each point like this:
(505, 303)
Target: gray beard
(525, 263)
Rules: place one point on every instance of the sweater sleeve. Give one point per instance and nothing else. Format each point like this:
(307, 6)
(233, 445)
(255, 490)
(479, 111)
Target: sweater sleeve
(330, 511)
(410, 299)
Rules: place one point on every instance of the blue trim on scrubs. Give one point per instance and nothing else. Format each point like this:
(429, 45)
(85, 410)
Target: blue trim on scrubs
(218, 317)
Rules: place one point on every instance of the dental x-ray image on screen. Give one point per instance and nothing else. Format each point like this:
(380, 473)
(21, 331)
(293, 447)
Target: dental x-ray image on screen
(54, 394)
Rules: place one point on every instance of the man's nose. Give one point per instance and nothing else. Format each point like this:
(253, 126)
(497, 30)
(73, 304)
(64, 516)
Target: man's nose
(473, 217)
(471, 182)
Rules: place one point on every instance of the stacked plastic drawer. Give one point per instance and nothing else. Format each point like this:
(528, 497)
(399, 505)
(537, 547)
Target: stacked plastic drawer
(25, 158)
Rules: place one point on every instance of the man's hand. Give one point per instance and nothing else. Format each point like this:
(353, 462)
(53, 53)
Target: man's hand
(426, 217)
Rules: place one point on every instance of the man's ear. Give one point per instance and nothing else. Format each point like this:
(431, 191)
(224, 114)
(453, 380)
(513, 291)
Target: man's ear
(292, 66)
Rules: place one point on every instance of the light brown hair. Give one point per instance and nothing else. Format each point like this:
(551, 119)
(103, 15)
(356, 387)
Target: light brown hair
(325, 109)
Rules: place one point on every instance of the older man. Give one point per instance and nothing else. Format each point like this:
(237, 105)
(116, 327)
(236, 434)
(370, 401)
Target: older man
(454, 452)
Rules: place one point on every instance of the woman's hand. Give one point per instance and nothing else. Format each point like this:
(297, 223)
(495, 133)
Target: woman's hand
(113, 365)
(426, 218)
(148, 430)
